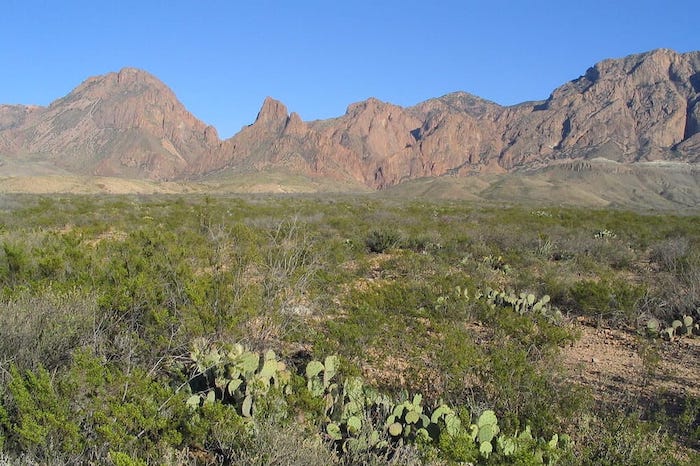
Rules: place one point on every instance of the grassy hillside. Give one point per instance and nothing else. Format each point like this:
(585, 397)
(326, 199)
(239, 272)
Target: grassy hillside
(308, 329)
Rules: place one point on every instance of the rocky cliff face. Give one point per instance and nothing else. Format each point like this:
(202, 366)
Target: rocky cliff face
(639, 108)
(642, 107)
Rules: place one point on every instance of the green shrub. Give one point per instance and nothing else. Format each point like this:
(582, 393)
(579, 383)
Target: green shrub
(37, 420)
(526, 391)
(4, 423)
(623, 439)
(122, 459)
(15, 262)
(43, 328)
(610, 299)
(459, 448)
(128, 411)
(379, 241)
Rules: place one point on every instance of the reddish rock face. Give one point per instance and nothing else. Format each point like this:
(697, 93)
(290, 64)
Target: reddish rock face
(129, 124)
(637, 108)
(642, 107)
(120, 124)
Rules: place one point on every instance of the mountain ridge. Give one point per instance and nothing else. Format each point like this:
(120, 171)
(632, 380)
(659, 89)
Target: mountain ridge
(129, 124)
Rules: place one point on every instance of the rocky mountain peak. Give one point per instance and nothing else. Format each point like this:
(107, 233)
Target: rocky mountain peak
(370, 103)
(125, 123)
(127, 76)
(272, 113)
(294, 125)
(126, 82)
(459, 102)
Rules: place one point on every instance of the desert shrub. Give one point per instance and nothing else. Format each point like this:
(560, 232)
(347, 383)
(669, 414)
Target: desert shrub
(527, 392)
(18, 262)
(275, 443)
(379, 241)
(453, 370)
(122, 459)
(423, 242)
(606, 298)
(678, 414)
(15, 261)
(677, 291)
(43, 329)
(458, 448)
(123, 409)
(221, 431)
(290, 263)
(37, 420)
(671, 254)
(622, 439)
(530, 331)
(31, 257)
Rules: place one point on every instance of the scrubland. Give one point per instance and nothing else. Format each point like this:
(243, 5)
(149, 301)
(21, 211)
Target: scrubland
(193, 329)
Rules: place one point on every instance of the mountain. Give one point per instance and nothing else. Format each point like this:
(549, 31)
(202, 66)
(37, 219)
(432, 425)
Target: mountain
(126, 124)
(640, 108)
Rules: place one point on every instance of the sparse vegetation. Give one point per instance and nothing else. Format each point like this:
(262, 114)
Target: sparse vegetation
(336, 330)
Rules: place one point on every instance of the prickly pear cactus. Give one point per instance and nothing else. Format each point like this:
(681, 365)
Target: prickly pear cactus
(653, 326)
(357, 418)
(233, 375)
(484, 431)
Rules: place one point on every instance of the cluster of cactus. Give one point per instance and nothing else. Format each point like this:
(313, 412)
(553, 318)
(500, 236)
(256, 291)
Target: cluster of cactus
(523, 303)
(356, 416)
(234, 375)
(349, 407)
(686, 326)
(408, 421)
(539, 448)
(320, 375)
(497, 263)
(359, 425)
(352, 409)
(604, 234)
(484, 431)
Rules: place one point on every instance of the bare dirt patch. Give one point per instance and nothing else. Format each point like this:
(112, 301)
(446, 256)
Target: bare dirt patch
(619, 365)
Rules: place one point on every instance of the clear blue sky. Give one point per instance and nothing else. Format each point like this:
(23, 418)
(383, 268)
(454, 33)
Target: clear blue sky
(222, 58)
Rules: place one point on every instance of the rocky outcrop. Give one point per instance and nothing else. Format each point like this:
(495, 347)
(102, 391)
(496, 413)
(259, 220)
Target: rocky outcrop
(374, 143)
(459, 134)
(13, 117)
(644, 107)
(275, 139)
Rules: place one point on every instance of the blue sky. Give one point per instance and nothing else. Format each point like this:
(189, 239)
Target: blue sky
(222, 58)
